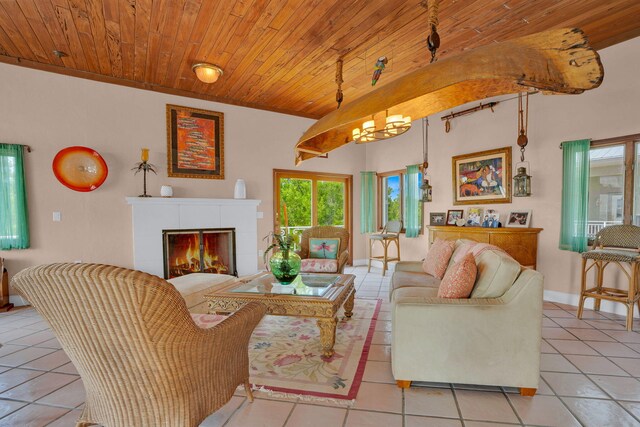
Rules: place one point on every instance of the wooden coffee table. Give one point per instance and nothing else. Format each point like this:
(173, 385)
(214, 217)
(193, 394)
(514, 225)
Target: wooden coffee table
(310, 295)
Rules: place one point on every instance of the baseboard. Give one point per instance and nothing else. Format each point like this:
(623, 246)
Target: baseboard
(391, 266)
(574, 299)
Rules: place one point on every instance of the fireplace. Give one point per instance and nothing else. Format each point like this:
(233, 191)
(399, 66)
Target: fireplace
(209, 250)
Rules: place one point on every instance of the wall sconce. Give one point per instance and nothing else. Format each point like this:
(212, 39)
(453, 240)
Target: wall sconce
(207, 73)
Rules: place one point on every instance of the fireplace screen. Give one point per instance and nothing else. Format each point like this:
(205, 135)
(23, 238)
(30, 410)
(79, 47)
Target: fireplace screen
(199, 251)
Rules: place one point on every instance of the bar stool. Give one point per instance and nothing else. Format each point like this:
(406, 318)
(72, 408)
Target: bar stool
(619, 245)
(390, 233)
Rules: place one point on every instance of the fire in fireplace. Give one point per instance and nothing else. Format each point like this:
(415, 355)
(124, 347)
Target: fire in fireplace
(211, 250)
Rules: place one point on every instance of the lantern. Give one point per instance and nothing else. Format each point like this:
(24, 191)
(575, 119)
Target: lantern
(522, 183)
(426, 191)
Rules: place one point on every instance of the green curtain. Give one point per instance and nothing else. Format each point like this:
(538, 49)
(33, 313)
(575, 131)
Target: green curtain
(367, 202)
(411, 201)
(14, 220)
(575, 195)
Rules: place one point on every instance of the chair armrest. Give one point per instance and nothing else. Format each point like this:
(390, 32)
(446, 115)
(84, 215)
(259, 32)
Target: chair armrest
(409, 266)
(342, 261)
(218, 357)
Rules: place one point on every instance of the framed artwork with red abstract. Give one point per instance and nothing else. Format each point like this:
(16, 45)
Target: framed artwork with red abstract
(195, 143)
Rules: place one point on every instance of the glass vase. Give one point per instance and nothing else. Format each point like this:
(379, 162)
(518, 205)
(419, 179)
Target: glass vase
(285, 266)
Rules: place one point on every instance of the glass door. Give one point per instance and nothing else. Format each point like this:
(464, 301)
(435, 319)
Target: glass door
(306, 199)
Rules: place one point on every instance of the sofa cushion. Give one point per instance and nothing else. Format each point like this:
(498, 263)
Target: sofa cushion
(496, 273)
(409, 279)
(414, 295)
(437, 258)
(313, 265)
(461, 248)
(459, 279)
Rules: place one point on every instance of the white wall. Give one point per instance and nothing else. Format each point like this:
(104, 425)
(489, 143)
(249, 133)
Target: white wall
(608, 111)
(50, 111)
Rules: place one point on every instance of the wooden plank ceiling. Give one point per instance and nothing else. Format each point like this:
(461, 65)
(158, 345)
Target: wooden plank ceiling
(277, 55)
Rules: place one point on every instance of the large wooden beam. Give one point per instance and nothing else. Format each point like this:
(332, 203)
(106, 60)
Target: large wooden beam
(556, 61)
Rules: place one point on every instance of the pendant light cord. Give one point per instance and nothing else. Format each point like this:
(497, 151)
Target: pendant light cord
(425, 143)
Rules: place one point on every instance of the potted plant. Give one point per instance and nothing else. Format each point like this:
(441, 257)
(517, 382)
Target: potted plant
(284, 263)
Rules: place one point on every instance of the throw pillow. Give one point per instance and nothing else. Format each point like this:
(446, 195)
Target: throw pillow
(324, 248)
(459, 280)
(461, 251)
(438, 257)
(315, 265)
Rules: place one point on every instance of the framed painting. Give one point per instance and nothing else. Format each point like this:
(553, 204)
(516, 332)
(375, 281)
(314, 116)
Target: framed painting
(195, 143)
(482, 177)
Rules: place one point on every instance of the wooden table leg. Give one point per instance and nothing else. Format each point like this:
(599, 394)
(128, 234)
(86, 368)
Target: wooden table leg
(348, 305)
(327, 335)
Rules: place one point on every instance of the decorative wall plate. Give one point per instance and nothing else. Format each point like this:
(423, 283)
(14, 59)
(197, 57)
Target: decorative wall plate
(80, 168)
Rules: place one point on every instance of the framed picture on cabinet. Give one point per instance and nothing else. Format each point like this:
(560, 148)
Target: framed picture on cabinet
(437, 218)
(453, 215)
(491, 219)
(474, 217)
(521, 218)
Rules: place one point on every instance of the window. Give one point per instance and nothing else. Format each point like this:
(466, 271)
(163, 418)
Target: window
(613, 175)
(391, 198)
(312, 198)
(14, 227)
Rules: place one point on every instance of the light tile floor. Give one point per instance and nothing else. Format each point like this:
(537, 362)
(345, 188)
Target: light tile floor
(590, 377)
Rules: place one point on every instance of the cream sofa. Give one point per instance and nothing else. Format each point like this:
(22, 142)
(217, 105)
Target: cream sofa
(491, 338)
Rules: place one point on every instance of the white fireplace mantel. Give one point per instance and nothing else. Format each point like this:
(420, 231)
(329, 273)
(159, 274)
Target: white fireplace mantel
(151, 215)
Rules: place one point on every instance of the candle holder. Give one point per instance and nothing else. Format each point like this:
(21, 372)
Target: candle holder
(145, 167)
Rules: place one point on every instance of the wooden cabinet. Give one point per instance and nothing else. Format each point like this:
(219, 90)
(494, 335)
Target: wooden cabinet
(520, 243)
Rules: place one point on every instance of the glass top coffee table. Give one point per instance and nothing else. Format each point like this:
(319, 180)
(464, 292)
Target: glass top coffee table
(309, 295)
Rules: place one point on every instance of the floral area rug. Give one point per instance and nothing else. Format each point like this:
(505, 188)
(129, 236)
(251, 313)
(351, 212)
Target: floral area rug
(285, 355)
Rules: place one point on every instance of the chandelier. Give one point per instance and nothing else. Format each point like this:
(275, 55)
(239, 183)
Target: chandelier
(395, 125)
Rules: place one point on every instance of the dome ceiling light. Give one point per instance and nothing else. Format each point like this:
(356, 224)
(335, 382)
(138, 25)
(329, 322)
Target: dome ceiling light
(207, 73)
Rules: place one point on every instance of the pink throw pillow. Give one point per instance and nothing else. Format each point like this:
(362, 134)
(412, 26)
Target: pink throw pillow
(437, 258)
(459, 280)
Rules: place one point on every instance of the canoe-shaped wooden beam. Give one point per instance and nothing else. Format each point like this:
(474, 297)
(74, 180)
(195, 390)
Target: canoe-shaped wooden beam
(557, 61)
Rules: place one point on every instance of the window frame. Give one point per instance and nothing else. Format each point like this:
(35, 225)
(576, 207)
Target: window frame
(314, 177)
(380, 198)
(629, 142)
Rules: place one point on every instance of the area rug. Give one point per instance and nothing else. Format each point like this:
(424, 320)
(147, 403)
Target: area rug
(285, 355)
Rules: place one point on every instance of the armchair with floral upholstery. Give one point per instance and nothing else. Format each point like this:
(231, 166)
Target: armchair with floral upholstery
(325, 236)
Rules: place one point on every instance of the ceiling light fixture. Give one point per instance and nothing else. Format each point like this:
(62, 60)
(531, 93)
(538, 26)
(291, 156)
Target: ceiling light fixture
(395, 125)
(207, 73)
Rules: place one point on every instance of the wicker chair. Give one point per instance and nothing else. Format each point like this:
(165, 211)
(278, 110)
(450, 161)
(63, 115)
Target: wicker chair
(390, 233)
(142, 359)
(619, 245)
(326, 231)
